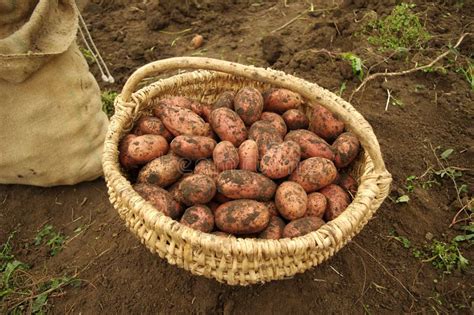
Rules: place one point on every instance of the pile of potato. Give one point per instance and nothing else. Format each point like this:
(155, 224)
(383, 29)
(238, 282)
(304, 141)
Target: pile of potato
(249, 165)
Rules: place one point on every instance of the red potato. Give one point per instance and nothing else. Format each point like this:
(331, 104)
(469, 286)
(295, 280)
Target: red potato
(271, 206)
(193, 147)
(295, 119)
(242, 217)
(302, 226)
(338, 201)
(248, 156)
(241, 184)
(225, 156)
(291, 200)
(197, 189)
(276, 121)
(182, 121)
(207, 167)
(228, 126)
(206, 110)
(179, 101)
(162, 171)
(248, 104)
(316, 206)
(325, 124)
(265, 135)
(160, 199)
(280, 160)
(274, 230)
(348, 182)
(311, 145)
(125, 160)
(151, 125)
(346, 148)
(225, 99)
(281, 100)
(174, 189)
(314, 173)
(143, 149)
(199, 218)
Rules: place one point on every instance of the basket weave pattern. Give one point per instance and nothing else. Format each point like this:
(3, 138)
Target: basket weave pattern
(236, 261)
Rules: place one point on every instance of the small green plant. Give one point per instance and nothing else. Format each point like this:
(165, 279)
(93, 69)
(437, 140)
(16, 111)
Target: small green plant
(342, 88)
(446, 256)
(468, 73)
(53, 239)
(468, 235)
(108, 98)
(402, 199)
(410, 183)
(403, 240)
(356, 64)
(88, 55)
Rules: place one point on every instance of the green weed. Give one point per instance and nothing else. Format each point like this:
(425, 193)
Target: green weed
(88, 55)
(446, 256)
(108, 98)
(53, 239)
(356, 64)
(468, 74)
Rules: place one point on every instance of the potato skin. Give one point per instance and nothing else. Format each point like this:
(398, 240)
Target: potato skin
(198, 217)
(197, 189)
(276, 121)
(265, 135)
(248, 104)
(280, 160)
(338, 201)
(302, 226)
(143, 149)
(180, 101)
(241, 184)
(228, 126)
(271, 206)
(206, 167)
(248, 156)
(325, 124)
(225, 99)
(242, 217)
(317, 204)
(160, 199)
(274, 230)
(225, 156)
(348, 182)
(162, 171)
(193, 147)
(151, 125)
(311, 145)
(295, 119)
(314, 173)
(281, 100)
(346, 148)
(182, 121)
(291, 200)
(125, 160)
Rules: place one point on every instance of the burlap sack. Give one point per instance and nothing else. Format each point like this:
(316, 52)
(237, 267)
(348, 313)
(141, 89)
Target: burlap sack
(51, 124)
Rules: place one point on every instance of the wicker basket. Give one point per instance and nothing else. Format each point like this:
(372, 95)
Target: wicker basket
(236, 261)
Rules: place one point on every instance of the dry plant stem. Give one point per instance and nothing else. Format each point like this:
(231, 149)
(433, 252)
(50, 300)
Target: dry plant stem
(393, 74)
(455, 220)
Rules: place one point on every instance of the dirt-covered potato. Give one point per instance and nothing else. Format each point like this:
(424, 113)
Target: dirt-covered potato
(338, 201)
(346, 147)
(274, 230)
(295, 119)
(160, 199)
(316, 206)
(302, 226)
(182, 121)
(248, 156)
(314, 173)
(151, 125)
(281, 100)
(242, 217)
(228, 126)
(225, 99)
(277, 122)
(325, 124)
(241, 184)
(179, 101)
(248, 104)
(265, 135)
(225, 156)
(193, 147)
(207, 167)
(291, 200)
(125, 160)
(143, 149)
(348, 182)
(206, 110)
(280, 160)
(162, 171)
(311, 145)
(198, 217)
(271, 206)
(197, 189)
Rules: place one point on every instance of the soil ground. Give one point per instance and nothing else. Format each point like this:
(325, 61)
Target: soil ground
(374, 273)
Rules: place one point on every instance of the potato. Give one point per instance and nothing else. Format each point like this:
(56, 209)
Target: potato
(281, 100)
(248, 156)
(193, 147)
(206, 167)
(242, 217)
(179, 101)
(295, 119)
(274, 230)
(314, 173)
(348, 182)
(248, 104)
(225, 156)
(220, 198)
(162, 171)
(338, 201)
(199, 218)
(302, 226)
(316, 206)
(174, 189)
(143, 149)
(311, 145)
(182, 121)
(213, 206)
(228, 126)
(151, 125)
(225, 99)
(160, 199)
(197, 189)
(325, 124)
(206, 110)
(271, 206)
(291, 200)
(265, 135)
(125, 160)
(241, 184)
(276, 121)
(346, 148)
(280, 160)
